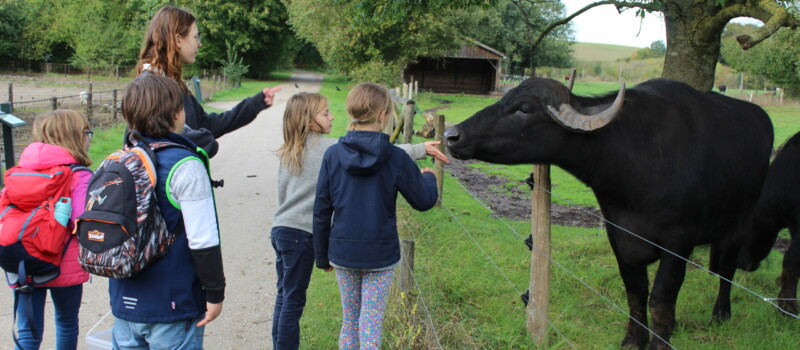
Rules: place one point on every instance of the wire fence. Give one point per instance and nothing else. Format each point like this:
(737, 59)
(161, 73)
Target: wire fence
(101, 107)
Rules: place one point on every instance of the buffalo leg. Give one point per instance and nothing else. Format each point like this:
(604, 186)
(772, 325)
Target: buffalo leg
(667, 284)
(635, 279)
(787, 297)
(725, 267)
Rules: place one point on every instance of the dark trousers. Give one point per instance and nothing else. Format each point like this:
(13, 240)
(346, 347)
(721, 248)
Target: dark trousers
(66, 302)
(294, 250)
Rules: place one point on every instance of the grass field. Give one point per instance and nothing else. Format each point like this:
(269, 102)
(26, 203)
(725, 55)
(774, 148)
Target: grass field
(602, 52)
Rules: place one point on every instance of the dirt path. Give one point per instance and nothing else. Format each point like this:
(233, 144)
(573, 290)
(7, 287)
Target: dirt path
(246, 204)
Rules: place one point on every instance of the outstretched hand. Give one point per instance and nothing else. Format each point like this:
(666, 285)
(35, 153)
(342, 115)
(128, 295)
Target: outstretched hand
(269, 94)
(426, 170)
(431, 150)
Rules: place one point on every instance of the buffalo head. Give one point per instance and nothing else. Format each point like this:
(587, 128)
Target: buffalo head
(529, 124)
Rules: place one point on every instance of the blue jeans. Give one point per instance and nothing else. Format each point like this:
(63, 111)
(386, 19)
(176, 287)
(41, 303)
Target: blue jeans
(181, 335)
(66, 302)
(294, 250)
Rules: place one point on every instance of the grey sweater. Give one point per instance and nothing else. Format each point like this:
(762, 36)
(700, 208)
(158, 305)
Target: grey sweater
(296, 193)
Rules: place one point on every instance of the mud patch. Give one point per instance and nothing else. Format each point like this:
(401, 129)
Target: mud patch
(515, 203)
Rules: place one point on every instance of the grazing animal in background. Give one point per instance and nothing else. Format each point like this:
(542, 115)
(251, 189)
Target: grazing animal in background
(84, 95)
(778, 208)
(677, 167)
(723, 88)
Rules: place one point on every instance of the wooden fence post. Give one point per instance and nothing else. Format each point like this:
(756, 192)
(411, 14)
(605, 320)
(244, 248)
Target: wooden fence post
(539, 287)
(11, 93)
(54, 102)
(406, 280)
(114, 104)
(408, 120)
(89, 103)
(438, 168)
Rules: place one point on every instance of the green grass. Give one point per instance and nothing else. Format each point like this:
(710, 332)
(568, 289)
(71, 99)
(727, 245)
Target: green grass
(602, 52)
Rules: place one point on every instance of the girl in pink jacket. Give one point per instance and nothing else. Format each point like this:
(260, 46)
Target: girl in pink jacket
(61, 138)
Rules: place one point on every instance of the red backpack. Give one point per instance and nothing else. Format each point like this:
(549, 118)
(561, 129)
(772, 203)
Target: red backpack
(35, 208)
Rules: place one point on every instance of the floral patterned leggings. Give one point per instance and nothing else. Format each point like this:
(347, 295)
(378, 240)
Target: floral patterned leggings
(363, 305)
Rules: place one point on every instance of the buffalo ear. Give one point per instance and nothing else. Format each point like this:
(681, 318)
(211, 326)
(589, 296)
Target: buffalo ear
(568, 117)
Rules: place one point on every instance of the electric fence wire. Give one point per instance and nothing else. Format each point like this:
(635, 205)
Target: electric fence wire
(501, 270)
(424, 306)
(763, 298)
(562, 267)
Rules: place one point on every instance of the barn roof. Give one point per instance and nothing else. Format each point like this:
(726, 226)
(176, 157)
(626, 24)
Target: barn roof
(476, 49)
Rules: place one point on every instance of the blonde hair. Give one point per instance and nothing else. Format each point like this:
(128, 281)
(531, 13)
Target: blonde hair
(300, 112)
(366, 101)
(64, 128)
(160, 47)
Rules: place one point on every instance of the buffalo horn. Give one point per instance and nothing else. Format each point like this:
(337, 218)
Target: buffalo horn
(568, 117)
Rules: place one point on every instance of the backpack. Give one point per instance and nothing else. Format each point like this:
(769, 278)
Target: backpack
(34, 217)
(122, 230)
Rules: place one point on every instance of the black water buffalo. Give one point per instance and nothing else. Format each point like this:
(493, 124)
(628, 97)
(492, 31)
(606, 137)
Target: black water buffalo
(676, 166)
(778, 208)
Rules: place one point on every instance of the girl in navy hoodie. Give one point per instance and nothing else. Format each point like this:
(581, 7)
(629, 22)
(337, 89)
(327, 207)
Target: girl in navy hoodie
(355, 225)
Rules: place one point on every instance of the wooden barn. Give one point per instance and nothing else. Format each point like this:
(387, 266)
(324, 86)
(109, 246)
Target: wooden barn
(474, 69)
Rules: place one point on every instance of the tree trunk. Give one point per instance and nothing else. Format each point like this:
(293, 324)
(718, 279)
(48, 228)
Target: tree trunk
(691, 57)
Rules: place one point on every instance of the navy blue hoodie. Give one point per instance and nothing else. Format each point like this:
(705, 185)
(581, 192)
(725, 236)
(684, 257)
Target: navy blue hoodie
(355, 225)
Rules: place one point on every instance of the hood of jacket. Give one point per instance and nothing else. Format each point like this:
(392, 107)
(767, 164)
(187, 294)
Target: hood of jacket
(363, 152)
(38, 156)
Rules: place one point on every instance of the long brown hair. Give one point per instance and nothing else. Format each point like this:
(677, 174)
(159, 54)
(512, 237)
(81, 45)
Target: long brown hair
(64, 128)
(300, 112)
(160, 47)
(366, 101)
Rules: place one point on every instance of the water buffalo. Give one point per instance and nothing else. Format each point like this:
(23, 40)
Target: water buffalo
(676, 166)
(778, 208)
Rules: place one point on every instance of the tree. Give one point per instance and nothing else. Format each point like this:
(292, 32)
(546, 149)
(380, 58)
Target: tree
(694, 28)
(511, 27)
(375, 40)
(11, 24)
(657, 49)
(258, 29)
(776, 59)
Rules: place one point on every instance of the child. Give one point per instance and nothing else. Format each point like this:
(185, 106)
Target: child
(355, 225)
(171, 41)
(168, 303)
(305, 120)
(61, 137)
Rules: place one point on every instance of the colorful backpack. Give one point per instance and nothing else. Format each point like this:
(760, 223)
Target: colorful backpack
(122, 230)
(35, 208)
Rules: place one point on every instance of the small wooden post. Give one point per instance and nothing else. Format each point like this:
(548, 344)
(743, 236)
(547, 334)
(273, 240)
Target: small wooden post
(114, 104)
(438, 168)
(408, 120)
(11, 92)
(539, 287)
(54, 102)
(406, 280)
(89, 103)
(116, 72)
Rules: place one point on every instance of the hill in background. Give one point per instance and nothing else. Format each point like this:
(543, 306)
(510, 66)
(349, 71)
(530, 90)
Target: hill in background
(602, 52)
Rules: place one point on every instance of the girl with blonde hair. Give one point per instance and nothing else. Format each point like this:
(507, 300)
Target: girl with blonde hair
(355, 220)
(172, 40)
(305, 121)
(61, 137)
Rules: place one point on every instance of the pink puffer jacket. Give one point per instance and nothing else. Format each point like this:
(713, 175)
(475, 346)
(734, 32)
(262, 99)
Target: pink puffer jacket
(41, 156)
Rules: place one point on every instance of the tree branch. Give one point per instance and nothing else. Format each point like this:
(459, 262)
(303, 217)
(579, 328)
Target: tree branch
(770, 12)
(649, 6)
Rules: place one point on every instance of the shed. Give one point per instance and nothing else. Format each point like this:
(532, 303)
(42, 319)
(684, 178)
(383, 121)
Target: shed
(475, 68)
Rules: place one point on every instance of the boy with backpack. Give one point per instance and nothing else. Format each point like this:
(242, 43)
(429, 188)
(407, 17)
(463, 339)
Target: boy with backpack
(169, 301)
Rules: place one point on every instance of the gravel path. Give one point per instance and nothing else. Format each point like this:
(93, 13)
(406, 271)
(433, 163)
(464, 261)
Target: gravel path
(247, 163)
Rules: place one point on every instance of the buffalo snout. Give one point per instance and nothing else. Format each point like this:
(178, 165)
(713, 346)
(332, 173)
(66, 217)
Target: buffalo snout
(451, 136)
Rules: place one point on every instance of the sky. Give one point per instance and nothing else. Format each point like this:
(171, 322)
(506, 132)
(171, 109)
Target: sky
(603, 24)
